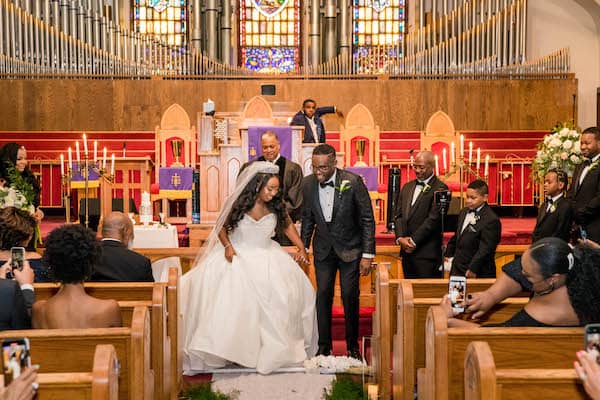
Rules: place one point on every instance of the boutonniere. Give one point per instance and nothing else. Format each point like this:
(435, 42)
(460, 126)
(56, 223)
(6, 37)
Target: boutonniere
(474, 219)
(552, 208)
(593, 165)
(344, 185)
(426, 188)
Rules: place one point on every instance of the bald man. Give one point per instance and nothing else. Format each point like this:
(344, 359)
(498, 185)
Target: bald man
(118, 263)
(418, 221)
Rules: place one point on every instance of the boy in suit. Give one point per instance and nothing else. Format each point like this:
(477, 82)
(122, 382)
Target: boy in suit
(473, 246)
(554, 216)
(310, 119)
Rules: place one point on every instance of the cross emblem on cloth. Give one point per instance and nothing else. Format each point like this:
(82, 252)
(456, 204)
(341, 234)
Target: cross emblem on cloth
(175, 180)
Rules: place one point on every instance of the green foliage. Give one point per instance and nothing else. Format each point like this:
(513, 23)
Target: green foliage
(18, 183)
(344, 388)
(205, 392)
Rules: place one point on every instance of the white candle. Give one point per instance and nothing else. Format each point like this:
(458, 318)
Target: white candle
(70, 160)
(486, 168)
(444, 161)
(437, 165)
(77, 152)
(62, 165)
(95, 151)
(478, 159)
(85, 148)
(104, 159)
(112, 164)
(470, 152)
(462, 146)
(452, 153)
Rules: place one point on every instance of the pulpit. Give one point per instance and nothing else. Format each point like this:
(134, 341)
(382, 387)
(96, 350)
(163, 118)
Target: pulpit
(175, 144)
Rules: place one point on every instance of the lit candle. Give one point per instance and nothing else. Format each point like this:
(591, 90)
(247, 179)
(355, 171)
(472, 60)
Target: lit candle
(478, 159)
(77, 152)
(462, 146)
(95, 151)
(85, 148)
(70, 160)
(62, 165)
(437, 165)
(104, 159)
(486, 168)
(452, 153)
(444, 161)
(112, 164)
(470, 152)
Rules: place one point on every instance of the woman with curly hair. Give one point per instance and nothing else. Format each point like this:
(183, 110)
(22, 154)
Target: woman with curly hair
(247, 301)
(565, 286)
(71, 253)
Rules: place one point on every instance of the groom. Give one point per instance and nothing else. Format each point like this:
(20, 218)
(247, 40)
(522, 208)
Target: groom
(337, 209)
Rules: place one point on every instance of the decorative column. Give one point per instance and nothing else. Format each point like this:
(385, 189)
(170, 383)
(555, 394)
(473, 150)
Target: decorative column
(330, 29)
(226, 32)
(315, 32)
(211, 28)
(196, 25)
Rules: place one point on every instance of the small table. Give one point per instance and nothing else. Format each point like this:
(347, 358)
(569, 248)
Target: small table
(157, 236)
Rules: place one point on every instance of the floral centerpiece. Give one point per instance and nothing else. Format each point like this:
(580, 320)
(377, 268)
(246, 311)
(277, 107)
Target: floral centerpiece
(20, 194)
(560, 149)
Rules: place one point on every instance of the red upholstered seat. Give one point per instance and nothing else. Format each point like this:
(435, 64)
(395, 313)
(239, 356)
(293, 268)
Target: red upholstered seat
(455, 186)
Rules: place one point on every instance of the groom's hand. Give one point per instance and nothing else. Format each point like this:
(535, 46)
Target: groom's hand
(365, 266)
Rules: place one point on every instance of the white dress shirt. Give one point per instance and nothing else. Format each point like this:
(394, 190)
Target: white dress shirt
(313, 127)
(419, 189)
(554, 200)
(326, 197)
(587, 169)
(471, 218)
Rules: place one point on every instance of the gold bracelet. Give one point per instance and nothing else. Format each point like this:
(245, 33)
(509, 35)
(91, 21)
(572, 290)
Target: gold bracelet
(228, 245)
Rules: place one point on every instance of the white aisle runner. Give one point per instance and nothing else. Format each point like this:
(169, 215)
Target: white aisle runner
(276, 386)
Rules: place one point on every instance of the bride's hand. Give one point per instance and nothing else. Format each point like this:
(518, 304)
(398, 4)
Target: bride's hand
(229, 253)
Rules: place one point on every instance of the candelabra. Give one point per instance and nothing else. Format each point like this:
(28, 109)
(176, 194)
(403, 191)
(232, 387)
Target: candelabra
(459, 166)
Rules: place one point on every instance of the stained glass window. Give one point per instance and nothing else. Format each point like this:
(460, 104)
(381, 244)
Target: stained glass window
(269, 35)
(378, 29)
(165, 19)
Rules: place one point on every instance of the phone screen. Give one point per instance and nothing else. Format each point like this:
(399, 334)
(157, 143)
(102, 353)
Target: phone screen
(15, 358)
(457, 290)
(17, 255)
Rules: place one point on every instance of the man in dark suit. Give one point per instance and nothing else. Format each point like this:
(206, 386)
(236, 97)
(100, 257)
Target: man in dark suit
(554, 216)
(337, 210)
(417, 221)
(584, 193)
(478, 233)
(290, 176)
(118, 263)
(310, 119)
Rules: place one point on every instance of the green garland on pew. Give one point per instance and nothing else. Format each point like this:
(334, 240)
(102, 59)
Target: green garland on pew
(205, 392)
(345, 388)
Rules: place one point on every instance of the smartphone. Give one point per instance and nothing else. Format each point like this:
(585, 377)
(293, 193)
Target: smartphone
(457, 292)
(583, 234)
(17, 256)
(15, 358)
(592, 338)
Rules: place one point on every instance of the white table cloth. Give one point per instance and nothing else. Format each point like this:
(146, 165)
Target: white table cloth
(156, 236)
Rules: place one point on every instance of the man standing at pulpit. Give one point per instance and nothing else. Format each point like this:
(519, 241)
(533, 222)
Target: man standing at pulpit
(310, 118)
(418, 221)
(290, 175)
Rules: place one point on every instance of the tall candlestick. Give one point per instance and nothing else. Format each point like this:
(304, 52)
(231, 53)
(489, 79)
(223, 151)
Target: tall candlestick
(462, 146)
(437, 165)
(478, 159)
(70, 153)
(452, 155)
(470, 152)
(104, 159)
(62, 165)
(85, 148)
(444, 163)
(486, 168)
(77, 153)
(95, 151)
(112, 165)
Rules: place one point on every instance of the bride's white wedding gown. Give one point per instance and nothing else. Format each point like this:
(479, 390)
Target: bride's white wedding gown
(257, 311)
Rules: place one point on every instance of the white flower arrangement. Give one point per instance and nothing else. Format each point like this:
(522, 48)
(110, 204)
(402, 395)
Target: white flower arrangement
(560, 149)
(331, 365)
(11, 197)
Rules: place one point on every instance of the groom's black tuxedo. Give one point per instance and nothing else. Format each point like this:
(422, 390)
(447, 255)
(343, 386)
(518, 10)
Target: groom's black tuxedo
(338, 244)
(585, 199)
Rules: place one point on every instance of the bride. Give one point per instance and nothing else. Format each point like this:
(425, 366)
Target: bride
(247, 301)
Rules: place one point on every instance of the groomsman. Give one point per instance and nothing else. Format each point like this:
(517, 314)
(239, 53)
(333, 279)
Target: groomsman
(554, 216)
(310, 118)
(418, 222)
(337, 210)
(584, 193)
(473, 246)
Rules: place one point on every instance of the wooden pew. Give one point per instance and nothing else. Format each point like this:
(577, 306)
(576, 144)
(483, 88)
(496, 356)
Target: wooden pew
(72, 350)
(512, 347)
(483, 381)
(102, 383)
(175, 370)
(381, 349)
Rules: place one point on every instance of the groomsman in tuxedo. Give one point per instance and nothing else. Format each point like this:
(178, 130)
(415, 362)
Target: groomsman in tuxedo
(337, 215)
(417, 221)
(555, 215)
(478, 233)
(310, 119)
(584, 193)
(290, 177)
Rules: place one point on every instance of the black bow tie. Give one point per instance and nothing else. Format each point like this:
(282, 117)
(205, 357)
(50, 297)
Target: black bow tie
(325, 184)
(587, 163)
(549, 200)
(419, 183)
(471, 212)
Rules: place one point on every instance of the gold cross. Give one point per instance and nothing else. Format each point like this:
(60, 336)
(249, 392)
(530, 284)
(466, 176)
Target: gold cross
(252, 151)
(175, 180)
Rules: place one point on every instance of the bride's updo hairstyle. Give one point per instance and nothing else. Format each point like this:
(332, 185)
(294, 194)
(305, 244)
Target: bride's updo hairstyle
(247, 199)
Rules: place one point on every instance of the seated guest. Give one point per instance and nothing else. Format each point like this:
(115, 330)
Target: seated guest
(16, 230)
(565, 286)
(310, 119)
(554, 216)
(22, 388)
(473, 246)
(71, 253)
(16, 297)
(588, 370)
(117, 262)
